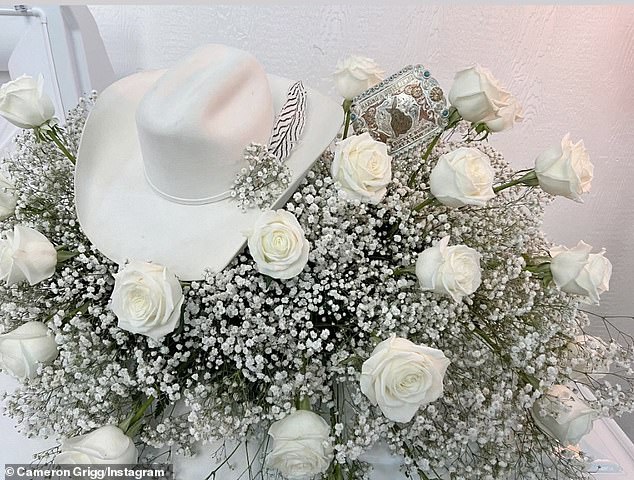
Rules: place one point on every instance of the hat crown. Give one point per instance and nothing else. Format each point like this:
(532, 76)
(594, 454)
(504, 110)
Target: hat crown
(196, 120)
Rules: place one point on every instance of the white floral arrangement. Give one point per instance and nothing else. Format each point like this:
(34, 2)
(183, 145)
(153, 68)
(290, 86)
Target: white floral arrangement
(409, 302)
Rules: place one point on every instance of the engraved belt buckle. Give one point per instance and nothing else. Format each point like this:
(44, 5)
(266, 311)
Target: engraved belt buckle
(404, 111)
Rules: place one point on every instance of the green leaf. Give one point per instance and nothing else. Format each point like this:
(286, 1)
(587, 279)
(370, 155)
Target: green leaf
(542, 270)
(124, 425)
(132, 424)
(268, 281)
(304, 404)
(532, 182)
(530, 179)
(454, 117)
(354, 360)
(404, 271)
(134, 430)
(480, 127)
(65, 255)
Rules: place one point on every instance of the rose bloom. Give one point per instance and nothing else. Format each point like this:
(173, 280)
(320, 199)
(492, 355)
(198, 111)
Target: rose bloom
(23, 349)
(147, 299)
(579, 272)
(301, 445)
(106, 445)
(479, 98)
(355, 74)
(565, 169)
(278, 245)
(400, 376)
(24, 103)
(453, 271)
(562, 415)
(362, 167)
(8, 201)
(462, 177)
(26, 254)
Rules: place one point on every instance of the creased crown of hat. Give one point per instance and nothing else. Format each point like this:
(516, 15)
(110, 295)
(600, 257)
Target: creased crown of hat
(196, 120)
(161, 152)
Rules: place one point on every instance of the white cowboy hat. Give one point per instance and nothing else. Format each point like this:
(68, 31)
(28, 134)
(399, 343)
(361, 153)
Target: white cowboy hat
(161, 150)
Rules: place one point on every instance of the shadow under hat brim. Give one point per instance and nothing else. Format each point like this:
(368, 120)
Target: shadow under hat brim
(127, 220)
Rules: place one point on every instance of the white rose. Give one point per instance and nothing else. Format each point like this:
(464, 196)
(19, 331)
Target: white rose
(453, 271)
(278, 245)
(355, 74)
(302, 446)
(106, 445)
(580, 272)
(479, 98)
(507, 116)
(565, 169)
(400, 376)
(24, 103)
(7, 199)
(26, 254)
(22, 349)
(362, 167)
(147, 299)
(589, 357)
(562, 415)
(462, 177)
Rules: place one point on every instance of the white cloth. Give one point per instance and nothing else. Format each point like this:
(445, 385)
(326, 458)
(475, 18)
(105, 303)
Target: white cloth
(14, 447)
(7, 132)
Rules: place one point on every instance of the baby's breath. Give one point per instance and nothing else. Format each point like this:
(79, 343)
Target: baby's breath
(250, 347)
(262, 180)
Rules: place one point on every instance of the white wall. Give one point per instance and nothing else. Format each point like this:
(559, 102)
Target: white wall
(572, 67)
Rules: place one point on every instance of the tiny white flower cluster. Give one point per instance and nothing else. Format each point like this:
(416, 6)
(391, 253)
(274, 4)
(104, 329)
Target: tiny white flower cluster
(263, 179)
(449, 334)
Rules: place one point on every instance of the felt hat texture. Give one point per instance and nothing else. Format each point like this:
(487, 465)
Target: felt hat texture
(161, 149)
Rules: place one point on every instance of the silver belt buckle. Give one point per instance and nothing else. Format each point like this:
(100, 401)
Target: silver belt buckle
(405, 110)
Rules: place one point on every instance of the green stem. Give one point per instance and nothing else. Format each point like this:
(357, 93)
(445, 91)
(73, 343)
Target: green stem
(454, 119)
(424, 158)
(492, 345)
(212, 474)
(131, 425)
(496, 349)
(54, 137)
(335, 414)
(347, 104)
(430, 201)
(404, 271)
(141, 411)
(529, 179)
(83, 308)
(541, 269)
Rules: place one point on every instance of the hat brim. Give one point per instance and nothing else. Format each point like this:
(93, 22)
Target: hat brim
(127, 220)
